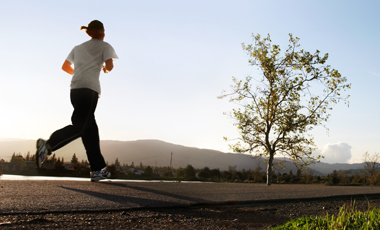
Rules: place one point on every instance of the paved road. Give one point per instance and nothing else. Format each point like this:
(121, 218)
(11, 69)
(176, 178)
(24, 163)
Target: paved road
(30, 196)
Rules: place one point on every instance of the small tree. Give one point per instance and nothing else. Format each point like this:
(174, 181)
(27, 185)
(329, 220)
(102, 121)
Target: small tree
(18, 160)
(148, 171)
(117, 164)
(257, 174)
(84, 163)
(74, 161)
(54, 158)
(13, 157)
(189, 173)
(283, 106)
(215, 174)
(58, 165)
(344, 176)
(180, 172)
(28, 157)
(371, 167)
(168, 173)
(205, 173)
(333, 178)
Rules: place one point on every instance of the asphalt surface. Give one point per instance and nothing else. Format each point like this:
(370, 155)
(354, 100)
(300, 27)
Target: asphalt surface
(45, 196)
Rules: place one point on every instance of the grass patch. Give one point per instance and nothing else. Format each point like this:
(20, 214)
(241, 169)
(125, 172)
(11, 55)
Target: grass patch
(348, 218)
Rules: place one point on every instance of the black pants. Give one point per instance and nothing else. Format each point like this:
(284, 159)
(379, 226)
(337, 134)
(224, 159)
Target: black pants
(83, 125)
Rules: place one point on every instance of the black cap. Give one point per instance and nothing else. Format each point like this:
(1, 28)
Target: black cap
(94, 25)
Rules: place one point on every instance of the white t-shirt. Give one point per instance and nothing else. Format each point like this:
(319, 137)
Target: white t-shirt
(88, 59)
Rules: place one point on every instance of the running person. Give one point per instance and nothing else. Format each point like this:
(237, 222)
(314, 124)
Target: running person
(88, 58)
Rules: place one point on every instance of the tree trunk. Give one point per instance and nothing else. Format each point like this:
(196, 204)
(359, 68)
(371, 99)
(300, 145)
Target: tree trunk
(269, 169)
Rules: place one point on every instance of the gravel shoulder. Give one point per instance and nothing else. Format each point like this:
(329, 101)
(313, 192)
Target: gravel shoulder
(244, 215)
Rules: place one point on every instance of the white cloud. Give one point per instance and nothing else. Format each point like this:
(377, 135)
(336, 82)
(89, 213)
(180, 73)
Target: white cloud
(336, 153)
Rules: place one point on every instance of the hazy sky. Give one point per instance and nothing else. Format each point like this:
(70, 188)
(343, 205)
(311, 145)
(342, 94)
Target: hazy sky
(176, 57)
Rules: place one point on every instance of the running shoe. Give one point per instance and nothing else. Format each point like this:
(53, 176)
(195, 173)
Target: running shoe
(42, 152)
(99, 175)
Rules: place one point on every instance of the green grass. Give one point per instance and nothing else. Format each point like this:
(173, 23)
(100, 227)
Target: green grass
(348, 218)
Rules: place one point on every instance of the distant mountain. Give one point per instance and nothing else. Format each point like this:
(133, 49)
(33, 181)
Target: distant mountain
(9, 146)
(158, 153)
(326, 168)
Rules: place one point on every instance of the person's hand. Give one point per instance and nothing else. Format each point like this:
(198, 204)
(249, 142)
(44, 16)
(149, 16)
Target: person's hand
(105, 69)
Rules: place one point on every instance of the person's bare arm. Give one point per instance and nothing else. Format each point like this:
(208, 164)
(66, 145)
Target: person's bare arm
(108, 66)
(67, 67)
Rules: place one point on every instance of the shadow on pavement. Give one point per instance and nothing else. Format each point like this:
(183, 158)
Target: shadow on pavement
(172, 195)
(125, 200)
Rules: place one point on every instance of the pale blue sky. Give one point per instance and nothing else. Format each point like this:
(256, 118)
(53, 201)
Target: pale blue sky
(176, 57)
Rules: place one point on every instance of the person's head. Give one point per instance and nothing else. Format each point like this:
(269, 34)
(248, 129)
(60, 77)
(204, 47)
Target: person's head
(94, 29)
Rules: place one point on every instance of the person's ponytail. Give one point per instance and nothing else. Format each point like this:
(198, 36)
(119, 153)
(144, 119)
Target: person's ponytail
(95, 29)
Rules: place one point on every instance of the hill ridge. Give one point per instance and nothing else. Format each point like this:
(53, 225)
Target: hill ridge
(155, 152)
